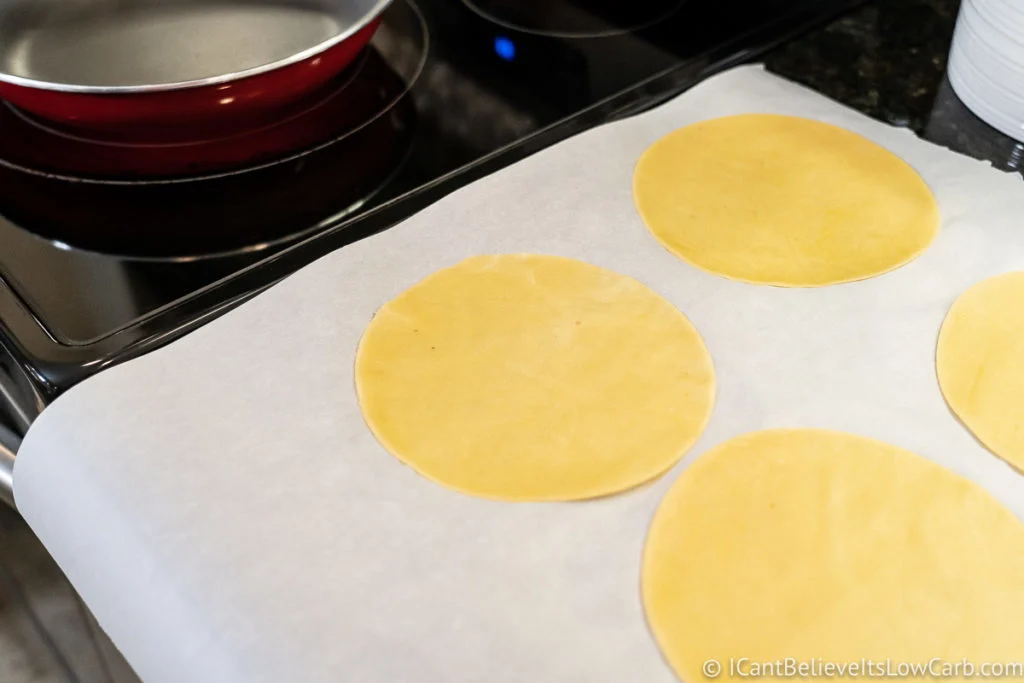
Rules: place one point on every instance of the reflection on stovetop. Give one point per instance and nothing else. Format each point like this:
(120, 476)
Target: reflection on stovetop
(487, 94)
(574, 18)
(68, 288)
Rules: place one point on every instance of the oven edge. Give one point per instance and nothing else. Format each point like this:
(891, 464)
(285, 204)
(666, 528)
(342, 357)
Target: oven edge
(9, 443)
(20, 404)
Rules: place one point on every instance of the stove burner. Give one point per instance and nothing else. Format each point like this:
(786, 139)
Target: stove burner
(190, 199)
(575, 18)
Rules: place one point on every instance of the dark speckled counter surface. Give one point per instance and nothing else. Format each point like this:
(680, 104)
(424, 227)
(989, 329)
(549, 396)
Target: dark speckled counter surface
(888, 60)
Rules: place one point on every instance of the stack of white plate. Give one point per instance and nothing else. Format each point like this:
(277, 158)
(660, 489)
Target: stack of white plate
(986, 63)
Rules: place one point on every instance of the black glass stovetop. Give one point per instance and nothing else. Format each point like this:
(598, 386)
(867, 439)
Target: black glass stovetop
(98, 268)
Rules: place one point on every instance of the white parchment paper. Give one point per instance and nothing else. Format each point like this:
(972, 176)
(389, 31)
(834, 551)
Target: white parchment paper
(224, 511)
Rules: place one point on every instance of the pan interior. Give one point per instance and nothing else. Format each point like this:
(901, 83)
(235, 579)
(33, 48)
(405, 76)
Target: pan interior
(133, 44)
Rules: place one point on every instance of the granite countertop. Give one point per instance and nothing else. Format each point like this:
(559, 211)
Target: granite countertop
(888, 60)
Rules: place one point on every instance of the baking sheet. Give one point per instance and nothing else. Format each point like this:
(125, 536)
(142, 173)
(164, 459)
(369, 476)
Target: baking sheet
(224, 511)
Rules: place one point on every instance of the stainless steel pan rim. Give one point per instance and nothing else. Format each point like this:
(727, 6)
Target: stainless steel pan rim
(371, 14)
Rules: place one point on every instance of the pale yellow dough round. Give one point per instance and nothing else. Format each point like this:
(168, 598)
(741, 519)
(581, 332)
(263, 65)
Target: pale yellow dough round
(782, 200)
(980, 363)
(533, 378)
(827, 547)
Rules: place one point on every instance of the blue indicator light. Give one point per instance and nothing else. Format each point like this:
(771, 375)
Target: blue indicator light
(505, 48)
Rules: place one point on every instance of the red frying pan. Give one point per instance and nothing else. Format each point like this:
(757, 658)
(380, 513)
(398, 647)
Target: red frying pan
(135, 68)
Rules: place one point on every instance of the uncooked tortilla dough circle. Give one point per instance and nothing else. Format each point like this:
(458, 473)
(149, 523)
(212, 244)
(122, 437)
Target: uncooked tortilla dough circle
(782, 200)
(826, 547)
(533, 378)
(980, 363)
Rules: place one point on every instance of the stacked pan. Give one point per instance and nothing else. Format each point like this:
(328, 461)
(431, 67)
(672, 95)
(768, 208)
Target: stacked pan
(986, 63)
